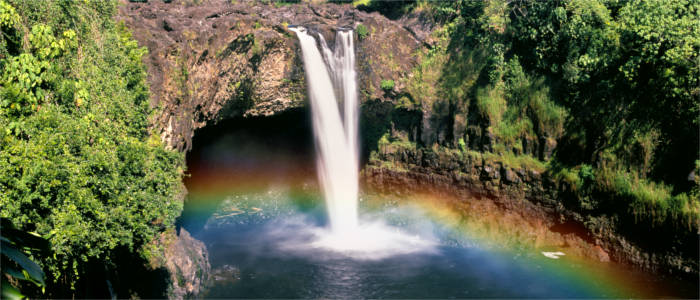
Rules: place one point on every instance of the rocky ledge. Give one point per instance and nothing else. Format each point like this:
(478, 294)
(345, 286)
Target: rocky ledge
(218, 59)
(532, 193)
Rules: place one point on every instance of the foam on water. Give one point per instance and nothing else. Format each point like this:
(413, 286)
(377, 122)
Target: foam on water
(372, 241)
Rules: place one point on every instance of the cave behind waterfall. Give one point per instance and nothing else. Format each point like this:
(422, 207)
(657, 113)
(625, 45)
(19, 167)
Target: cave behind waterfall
(244, 155)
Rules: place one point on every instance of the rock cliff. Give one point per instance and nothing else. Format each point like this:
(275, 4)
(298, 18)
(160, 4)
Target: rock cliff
(218, 59)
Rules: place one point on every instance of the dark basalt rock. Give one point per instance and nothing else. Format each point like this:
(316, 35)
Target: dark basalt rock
(220, 59)
(510, 176)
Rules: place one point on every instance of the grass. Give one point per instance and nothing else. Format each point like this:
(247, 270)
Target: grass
(387, 144)
(563, 174)
(512, 160)
(548, 116)
(649, 200)
(491, 104)
(510, 133)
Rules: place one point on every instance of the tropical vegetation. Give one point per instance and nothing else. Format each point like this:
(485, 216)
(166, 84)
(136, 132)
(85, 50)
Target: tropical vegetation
(79, 165)
(612, 87)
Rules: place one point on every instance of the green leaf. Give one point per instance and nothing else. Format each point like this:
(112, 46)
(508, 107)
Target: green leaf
(14, 272)
(33, 270)
(10, 292)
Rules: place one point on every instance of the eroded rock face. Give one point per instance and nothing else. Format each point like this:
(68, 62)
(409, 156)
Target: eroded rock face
(218, 59)
(187, 261)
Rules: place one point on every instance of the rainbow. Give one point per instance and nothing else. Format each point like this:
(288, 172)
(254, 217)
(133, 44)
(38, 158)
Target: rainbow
(476, 222)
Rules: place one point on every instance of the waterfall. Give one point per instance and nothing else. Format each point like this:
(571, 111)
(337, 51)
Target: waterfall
(331, 79)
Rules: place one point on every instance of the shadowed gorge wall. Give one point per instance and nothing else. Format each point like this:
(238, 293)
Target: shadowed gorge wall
(244, 155)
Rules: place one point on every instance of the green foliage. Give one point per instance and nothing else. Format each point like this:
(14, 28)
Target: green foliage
(614, 83)
(357, 3)
(28, 76)
(516, 161)
(280, 3)
(517, 107)
(10, 38)
(614, 61)
(586, 174)
(77, 161)
(648, 200)
(16, 246)
(362, 31)
(387, 85)
(462, 145)
(8, 15)
(566, 175)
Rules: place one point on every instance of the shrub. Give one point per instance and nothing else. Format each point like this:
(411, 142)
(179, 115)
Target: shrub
(462, 145)
(648, 200)
(586, 174)
(387, 85)
(362, 31)
(357, 3)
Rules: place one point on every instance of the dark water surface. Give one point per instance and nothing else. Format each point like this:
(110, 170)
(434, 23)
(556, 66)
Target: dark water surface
(260, 247)
(249, 264)
(264, 251)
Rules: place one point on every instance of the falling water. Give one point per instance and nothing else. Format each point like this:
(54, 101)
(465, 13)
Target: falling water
(335, 136)
(331, 79)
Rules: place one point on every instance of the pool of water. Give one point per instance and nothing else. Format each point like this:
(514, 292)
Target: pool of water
(264, 245)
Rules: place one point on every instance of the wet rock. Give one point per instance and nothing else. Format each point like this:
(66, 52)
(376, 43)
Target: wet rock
(227, 273)
(474, 137)
(489, 139)
(420, 24)
(430, 160)
(601, 254)
(529, 146)
(187, 261)
(490, 172)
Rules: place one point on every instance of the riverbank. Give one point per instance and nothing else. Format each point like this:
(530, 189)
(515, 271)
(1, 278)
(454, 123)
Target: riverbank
(533, 193)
